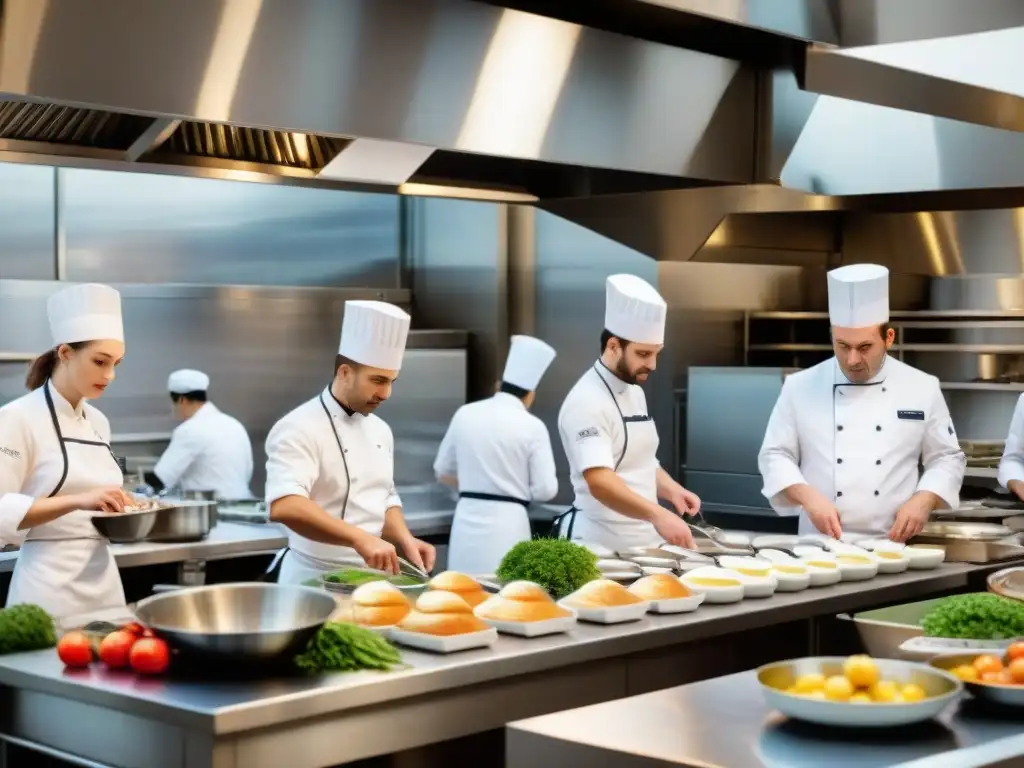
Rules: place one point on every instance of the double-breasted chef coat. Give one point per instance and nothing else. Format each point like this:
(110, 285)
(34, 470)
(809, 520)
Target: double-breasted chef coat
(861, 445)
(1011, 465)
(501, 454)
(342, 461)
(210, 451)
(48, 448)
(604, 422)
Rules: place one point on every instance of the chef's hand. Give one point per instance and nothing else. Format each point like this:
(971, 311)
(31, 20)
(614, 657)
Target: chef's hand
(673, 530)
(377, 553)
(1016, 487)
(824, 515)
(686, 502)
(420, 554)
(109, 499)
(911, 517)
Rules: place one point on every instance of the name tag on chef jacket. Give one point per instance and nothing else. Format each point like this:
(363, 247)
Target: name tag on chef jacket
(910, 415)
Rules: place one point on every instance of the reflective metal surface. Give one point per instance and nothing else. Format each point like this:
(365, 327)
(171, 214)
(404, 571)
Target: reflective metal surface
(241, 621)
(126, 527)
(962, 530)
(27, 222)
(184, 521)
(1004, 695)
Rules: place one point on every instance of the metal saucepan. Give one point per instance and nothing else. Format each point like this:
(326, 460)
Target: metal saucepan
(210, 496)
(238, 622)
(179, 521)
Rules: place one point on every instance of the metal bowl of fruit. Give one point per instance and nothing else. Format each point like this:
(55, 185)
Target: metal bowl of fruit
(997, 678)
(857, 691)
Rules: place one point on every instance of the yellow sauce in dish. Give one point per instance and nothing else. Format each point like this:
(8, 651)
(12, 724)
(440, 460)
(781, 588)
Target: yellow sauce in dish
(711, 581)
(827, 564)
(889, 555)
(759, 573)
(790, 569)
(854, 559)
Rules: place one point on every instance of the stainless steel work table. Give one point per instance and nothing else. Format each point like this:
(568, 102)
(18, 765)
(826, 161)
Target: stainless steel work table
(724, 723)
(116, 719)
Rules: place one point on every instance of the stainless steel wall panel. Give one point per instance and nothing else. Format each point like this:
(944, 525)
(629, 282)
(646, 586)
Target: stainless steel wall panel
(127, 227)
(27, 235)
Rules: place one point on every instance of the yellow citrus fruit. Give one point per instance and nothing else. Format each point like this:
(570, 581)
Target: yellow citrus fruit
(861, 671)
(860, 698)
(814, 681)
(838, 688)
(967, 673)
(884, 691)
(912, 692)
(816, 695)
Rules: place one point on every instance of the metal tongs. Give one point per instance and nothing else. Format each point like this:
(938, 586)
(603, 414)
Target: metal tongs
(408, 569)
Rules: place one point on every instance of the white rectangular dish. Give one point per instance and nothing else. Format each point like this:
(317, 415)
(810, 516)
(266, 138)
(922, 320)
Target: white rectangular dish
(618, 614)
(534, 628)
(444, 643)
(677, 604)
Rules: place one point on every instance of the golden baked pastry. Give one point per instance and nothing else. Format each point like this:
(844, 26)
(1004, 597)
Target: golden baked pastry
(462, 585)
(379, 604)
(441, 613)
(521, 601)
(602, 593)
(659, 586)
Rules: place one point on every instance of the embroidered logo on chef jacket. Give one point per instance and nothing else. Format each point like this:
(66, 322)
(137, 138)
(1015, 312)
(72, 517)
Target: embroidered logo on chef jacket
(910, 415)
(10, 452)
(583, 434)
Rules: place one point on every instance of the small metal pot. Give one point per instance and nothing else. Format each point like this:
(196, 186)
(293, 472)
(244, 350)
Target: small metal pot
(185, 521)
(201, 496)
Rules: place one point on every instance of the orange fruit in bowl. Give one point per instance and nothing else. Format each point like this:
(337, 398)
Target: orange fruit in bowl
(1016, 670)
(988, 663)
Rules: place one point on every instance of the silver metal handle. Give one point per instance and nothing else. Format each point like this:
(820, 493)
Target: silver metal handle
(411, 570)
(158, 588)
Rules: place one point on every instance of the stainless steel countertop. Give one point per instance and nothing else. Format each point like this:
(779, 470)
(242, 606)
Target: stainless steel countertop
(724, 723)
(224, 708)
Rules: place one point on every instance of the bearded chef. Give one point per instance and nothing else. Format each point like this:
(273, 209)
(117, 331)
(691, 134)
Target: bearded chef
(209, 450)
(498, 455)
(56, 465)
(847, 437)
(330, 462)
(610, 439)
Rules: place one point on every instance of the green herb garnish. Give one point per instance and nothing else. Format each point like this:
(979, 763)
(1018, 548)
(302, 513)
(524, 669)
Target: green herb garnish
(339, 647)
(26, 628)
(558, 565)
(977, 616)
(354, 577)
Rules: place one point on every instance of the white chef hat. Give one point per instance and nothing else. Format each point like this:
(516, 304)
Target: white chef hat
(187, 380)
(86, 312)
(528, 359)
(633, 310)
(858, 296)
(374, 333)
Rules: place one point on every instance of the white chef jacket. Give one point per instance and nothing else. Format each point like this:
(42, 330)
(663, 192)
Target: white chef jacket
(495, 447)
(596, 417)
(210, 451)
(863, 446)
(64, 566)
(342, 462)
(1011, 465)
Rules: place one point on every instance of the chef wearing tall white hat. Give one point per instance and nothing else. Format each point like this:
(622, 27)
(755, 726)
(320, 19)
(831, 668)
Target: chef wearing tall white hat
(498, 455)
(330, 462)
(610, 439)
(847, 437)
(209, 450)
(56, 465)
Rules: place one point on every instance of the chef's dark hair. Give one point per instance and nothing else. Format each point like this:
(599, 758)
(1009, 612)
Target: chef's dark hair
(607, 336)
(43, 366)
(341, 360)
(512, 389)
(196, 396)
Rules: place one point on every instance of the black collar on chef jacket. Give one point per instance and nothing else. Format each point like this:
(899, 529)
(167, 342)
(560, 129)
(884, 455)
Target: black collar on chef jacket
(348, 411)
(874, 381)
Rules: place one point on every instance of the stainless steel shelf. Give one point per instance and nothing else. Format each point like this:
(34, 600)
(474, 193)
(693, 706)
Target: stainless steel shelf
(989, 473)
(952, 314)
(980, 349)
(790, 347)
(981, 386)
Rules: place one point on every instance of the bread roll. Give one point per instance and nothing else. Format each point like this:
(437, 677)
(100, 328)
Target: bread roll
(441, 613)
(659, 586)
(521, 601)
(602, 593)
(466, 587)
(379, 604)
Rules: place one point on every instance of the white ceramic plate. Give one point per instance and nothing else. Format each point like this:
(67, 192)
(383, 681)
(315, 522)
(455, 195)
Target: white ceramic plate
(444, 644)
(618, 614)
(824, 577)
(758, 586)
(534, 628)
(792, 582)
(677, 604)
(925, 648)
(925, 558)
(717, 595)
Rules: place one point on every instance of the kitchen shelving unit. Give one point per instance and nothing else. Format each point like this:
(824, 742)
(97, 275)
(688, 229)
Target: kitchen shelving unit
(960, 347)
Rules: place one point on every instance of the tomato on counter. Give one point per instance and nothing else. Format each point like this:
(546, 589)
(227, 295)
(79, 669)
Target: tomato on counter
(115, 648)
(75, 649)
(150, 656)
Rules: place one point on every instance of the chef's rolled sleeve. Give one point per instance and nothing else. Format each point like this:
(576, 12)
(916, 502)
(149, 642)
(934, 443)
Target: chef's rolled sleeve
(943, 460)
(779, 457)
(15, 464)
(1011, 465)
(587, 439)
(292, 462)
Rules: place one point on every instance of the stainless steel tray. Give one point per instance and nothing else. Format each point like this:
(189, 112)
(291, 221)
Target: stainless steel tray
(964, 531)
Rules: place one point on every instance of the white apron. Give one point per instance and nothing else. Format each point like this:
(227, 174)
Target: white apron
(65, 566)
(637, 466)
(485, 528)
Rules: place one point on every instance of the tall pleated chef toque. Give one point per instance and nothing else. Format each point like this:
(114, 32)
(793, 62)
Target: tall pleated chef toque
(187, 380)
(86, 312)
(528, 359)
(858, 296)
(374, 333)
(633, 310)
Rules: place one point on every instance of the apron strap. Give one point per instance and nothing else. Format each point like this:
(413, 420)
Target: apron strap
(493, 497)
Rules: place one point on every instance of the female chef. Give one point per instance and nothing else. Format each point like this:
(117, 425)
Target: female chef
(56, 465)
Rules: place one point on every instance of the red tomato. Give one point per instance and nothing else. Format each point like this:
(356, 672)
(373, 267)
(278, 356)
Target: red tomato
(150, 656)
(135, 628)
(1015, 651)
(115, 647)
(75, 649)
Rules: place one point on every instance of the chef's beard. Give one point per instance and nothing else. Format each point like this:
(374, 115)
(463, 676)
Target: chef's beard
(628, 376)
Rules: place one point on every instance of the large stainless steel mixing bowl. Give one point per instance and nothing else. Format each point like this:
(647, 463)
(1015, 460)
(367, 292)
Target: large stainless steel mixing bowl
(251, 621)
(184, 521)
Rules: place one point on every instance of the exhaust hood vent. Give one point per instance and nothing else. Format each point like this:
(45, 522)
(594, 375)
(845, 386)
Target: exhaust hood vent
(69, 126)
(251, 145)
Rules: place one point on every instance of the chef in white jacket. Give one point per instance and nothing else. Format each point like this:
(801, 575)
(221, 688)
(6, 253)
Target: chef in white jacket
(1011, 465)
(847, 436)
(610, 439)
(330, 462)
(56, 465)
(209, 450)
(498, 455)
